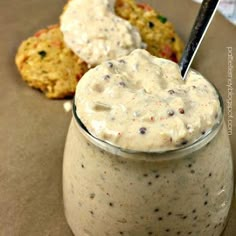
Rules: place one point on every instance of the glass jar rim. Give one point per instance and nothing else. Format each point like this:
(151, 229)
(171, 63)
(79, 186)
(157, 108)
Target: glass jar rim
(197, 144)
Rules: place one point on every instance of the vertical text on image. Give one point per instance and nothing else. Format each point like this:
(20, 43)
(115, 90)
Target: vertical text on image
(229, 100)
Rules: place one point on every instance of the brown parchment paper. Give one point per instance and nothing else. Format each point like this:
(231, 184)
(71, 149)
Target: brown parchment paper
(33, 128)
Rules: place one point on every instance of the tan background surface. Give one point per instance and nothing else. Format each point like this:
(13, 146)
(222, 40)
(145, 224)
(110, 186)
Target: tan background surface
(33, 128)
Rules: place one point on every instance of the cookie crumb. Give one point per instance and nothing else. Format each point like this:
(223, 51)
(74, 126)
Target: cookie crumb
(67, 106)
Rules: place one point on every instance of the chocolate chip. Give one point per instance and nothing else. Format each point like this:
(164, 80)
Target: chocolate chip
(173, 39)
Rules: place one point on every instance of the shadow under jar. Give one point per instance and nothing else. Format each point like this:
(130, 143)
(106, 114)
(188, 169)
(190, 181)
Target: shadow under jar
(109, 191)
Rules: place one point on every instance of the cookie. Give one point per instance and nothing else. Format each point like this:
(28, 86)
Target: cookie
(47, 64)
(156, 31)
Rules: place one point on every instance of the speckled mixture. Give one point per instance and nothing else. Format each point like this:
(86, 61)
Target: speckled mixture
(108, 195)
(146, 194)
(140, 97)
(95, 33)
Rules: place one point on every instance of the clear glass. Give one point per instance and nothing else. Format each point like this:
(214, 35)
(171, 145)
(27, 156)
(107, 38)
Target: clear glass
(109, 191)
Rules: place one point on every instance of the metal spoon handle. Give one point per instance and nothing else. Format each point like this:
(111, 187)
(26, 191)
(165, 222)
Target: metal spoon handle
(202, 22)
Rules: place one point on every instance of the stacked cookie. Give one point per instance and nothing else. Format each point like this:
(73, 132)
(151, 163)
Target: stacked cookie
(46, 63)
(155, 30)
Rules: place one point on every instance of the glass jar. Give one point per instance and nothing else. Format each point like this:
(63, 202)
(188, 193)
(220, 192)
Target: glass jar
(109, 191)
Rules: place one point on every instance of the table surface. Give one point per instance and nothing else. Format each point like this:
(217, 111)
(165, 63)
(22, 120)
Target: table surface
(33, 129)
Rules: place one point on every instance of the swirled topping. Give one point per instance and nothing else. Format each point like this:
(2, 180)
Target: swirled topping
(140, 102)
(93, 31)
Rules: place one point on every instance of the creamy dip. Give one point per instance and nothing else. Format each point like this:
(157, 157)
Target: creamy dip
(93, 31)
(140, 102)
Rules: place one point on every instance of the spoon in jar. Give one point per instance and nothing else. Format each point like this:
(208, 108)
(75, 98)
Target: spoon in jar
(202, 22)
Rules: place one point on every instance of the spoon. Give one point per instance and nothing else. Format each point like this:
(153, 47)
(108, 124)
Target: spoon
(202, 22)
